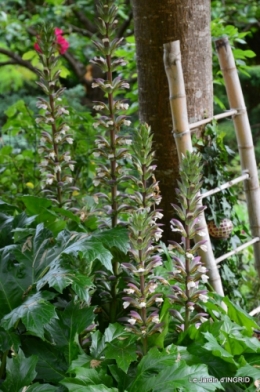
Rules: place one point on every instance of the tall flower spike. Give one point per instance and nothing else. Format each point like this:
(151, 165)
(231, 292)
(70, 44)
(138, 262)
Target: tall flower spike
(56, 165)
(112, 144)
(189, 270)
(144, 232)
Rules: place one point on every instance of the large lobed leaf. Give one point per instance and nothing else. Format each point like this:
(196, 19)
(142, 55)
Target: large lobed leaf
(35, 313)
(20, 372)
(161, 372)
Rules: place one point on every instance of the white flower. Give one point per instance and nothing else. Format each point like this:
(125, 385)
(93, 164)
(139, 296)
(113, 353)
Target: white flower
(201, 233)
(143, 332)
(110, 156)
(41, 105)
(101, 145)
(140, 270)
(191, 284)
(202, 269)
(69, 140)
(38, 120)
(159, 300)
(204, 248)
(150, 248)
(49, 119)
(129, 291)
(128, 142)
(57, 169)
(44, 162)
(156, 320)
(52, 154)
(158, 234)
(67, 158)
(132, 321)
(109, 85)
(96, 182)
(49, 181)
(125, 85)
(203, 298)
(62, 110)
(94, 85)
(127, 122)
(97, 108)
(96, 154)
(69, 179)
(96, 124)
(110, 122)
(157, 264)
(158, 215)
(152, 287)
(101, 174)
(189, 256)
(40, 150)
(204, 278)
(191, 308)
(104, 40)
(58, 138)
(203, 319)
(126, 304)
(142, 304)
(71, 167)
(64, 129)
(175, 229)
(120, 105)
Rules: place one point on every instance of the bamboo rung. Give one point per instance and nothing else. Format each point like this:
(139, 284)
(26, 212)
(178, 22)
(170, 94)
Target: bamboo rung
(228, 184)
(228, 113)
(237, 250)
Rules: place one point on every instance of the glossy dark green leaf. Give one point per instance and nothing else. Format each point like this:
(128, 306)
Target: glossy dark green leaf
(52, 364)
(216, 349)
(8, 340)
(237, 314)
(20, 372)
(35, 313)
(15, 279)
(41, 388)
(123, 351)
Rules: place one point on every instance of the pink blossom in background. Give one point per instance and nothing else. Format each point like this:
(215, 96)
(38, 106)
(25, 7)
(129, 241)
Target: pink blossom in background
(62, 43)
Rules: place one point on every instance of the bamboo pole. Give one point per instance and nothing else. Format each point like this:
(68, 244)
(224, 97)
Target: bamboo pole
(181, 131)
(237, 250)
(244, 139)
(228, 184)
(205, 121)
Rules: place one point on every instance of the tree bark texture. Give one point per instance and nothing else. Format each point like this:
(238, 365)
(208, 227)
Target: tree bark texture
(157, 22)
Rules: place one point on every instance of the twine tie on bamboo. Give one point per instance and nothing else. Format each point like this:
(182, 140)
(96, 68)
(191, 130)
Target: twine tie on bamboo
(180, 134)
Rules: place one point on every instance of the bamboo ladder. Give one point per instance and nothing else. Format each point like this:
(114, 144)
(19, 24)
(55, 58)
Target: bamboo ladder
(182, 133)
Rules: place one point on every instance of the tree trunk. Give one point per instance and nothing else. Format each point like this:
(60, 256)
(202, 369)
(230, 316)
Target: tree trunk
(155, 23)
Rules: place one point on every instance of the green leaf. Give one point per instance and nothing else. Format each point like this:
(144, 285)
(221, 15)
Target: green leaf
(117, 237)
(77, 386)
(72, 321)
(41, 388)
(35, 313)
(52, 365)
(249, 371)
(97, 344)
(238, 315)
(114, 331)
(29, 55)
(123, 351)
(214, 347)
(20, 372)
(162, 372)
(180, 375)
(15, 278)
(9, 339)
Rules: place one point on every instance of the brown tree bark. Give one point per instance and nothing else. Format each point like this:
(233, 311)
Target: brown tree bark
(157, 22)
